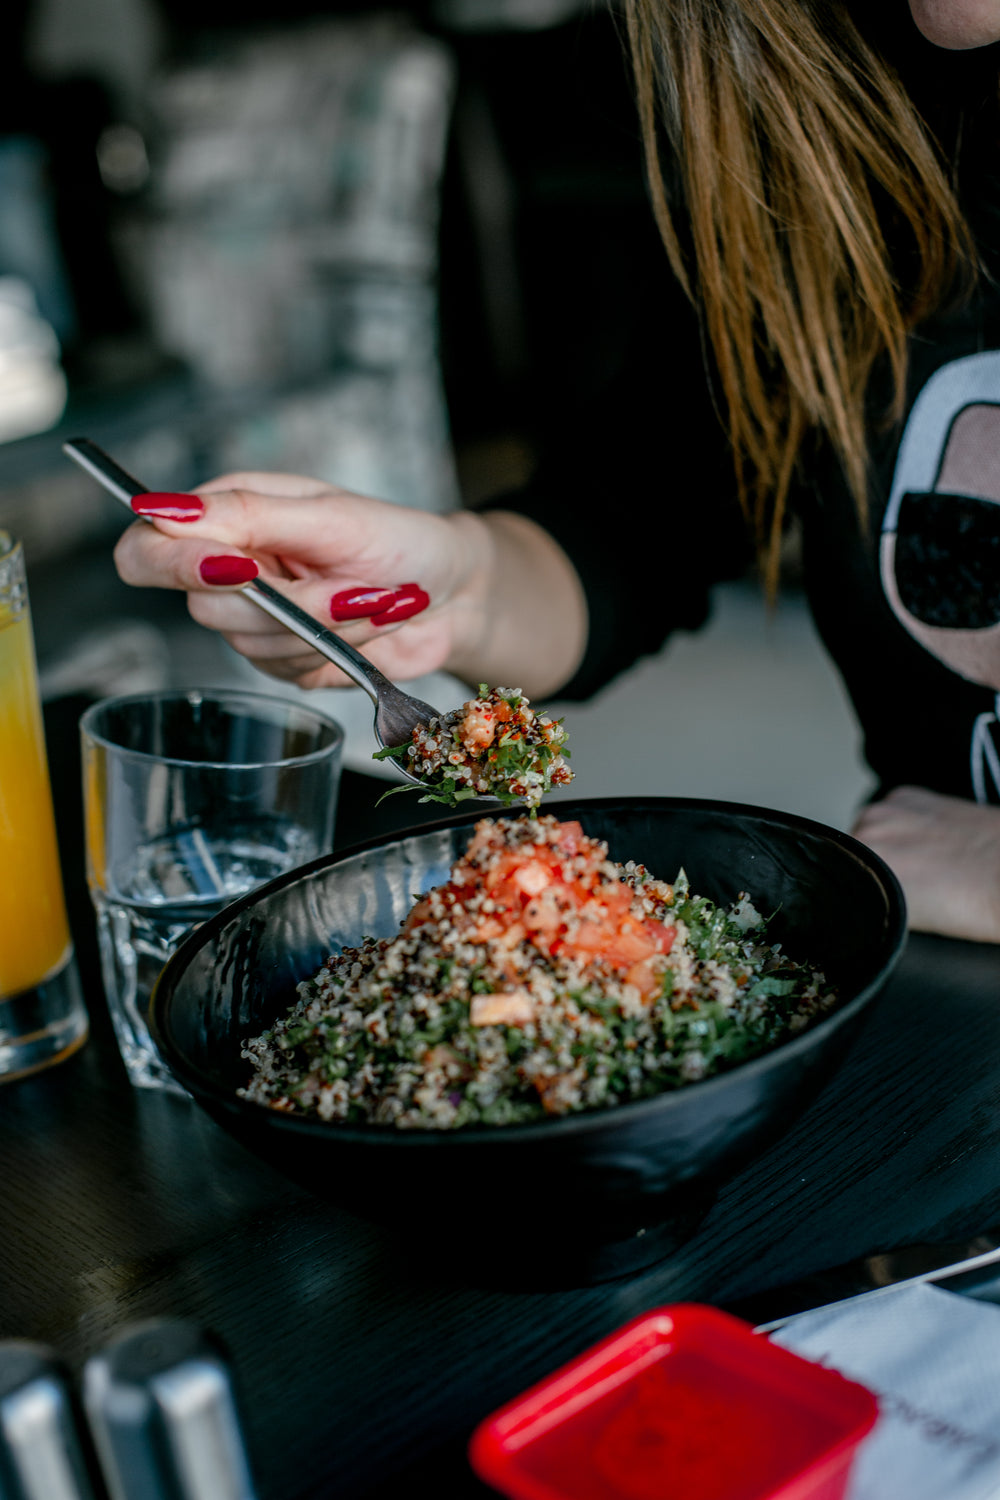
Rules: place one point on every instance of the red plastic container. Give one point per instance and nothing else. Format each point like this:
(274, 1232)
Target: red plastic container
(684, 1403)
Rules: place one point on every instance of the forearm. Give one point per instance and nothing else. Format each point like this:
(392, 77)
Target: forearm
(521, 617)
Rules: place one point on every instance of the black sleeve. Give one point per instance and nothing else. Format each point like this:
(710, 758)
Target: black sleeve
(638, 489)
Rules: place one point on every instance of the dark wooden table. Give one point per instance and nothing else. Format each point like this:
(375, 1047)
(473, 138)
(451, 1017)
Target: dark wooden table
(360, 1371)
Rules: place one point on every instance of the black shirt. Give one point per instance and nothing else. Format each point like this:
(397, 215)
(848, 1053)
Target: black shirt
(639, 492)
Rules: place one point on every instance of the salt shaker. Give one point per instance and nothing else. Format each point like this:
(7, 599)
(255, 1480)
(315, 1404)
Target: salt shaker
(161, 1409)
(41, 1450)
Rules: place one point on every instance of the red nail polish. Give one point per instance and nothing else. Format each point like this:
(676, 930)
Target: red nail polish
(358, 603)
(168, 507)
(410, 600)
(228, 570)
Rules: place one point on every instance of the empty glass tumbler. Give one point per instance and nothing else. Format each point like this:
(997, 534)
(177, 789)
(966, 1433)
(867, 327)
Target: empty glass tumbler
(42, 1014)
(192, 798)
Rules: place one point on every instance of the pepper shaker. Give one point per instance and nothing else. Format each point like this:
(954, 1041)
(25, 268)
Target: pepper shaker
(160, 1404)
(41, 1452)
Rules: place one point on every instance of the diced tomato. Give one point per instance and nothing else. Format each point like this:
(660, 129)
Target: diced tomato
(571, 837)
(642, 975)
(532, 877)
(536, 896)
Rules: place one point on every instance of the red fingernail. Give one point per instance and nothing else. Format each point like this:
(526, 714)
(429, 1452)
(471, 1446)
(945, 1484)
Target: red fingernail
(410, 600)
(168, 507)
(357, 604)
(228, 569)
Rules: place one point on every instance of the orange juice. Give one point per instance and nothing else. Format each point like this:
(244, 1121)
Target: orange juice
(34, 932)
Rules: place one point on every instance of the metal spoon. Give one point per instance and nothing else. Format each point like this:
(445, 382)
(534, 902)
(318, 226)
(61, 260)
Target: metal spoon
(397, 714)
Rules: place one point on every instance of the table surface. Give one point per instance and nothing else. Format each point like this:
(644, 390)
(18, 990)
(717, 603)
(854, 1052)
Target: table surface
(358, 1368)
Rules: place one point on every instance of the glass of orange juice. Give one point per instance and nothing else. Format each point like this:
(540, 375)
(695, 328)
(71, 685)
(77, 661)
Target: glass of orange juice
(42, 1014)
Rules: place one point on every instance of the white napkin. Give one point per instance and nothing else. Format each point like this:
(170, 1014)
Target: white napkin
(932, 1359)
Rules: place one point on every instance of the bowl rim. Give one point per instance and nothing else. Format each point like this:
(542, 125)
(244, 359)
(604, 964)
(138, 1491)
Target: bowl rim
(208, 1090)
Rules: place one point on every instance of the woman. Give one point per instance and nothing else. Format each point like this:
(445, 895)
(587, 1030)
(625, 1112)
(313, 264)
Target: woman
(825, 186)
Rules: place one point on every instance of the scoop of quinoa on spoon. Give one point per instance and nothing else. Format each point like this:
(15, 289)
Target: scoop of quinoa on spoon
(494, 746)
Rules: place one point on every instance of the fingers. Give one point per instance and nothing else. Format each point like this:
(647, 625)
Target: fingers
(388, 606)
(227, 570)
(182, 537)
(289, 531)
(946, 853)
(148, 557)
(900, 812)
(401, 654)
(293, 486)
(365, 566)
(172, 557)
(341, 546)
(246, 520)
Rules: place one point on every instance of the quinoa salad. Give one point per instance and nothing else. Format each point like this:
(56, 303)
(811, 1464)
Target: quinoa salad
(495, 745)
(542, 978)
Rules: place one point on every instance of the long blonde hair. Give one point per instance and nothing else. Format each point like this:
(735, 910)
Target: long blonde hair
(792, 145)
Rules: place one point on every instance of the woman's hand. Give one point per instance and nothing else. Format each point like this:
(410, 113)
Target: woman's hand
(946, 854)
(416, 592)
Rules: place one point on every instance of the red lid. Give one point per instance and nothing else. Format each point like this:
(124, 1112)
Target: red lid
(685, 1401)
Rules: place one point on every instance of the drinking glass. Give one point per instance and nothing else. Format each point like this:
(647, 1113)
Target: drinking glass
(190, 799)
(42, 1014)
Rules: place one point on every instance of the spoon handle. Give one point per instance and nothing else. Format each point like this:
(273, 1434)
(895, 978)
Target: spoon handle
(118, 482)
(335, 649)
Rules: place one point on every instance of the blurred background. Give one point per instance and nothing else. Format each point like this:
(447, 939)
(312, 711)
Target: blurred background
(390, 247)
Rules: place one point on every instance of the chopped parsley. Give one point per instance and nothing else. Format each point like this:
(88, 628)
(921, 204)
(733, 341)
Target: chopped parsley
(495, 745)
(542, 978)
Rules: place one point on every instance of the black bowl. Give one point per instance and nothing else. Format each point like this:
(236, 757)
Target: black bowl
(578, 1198)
